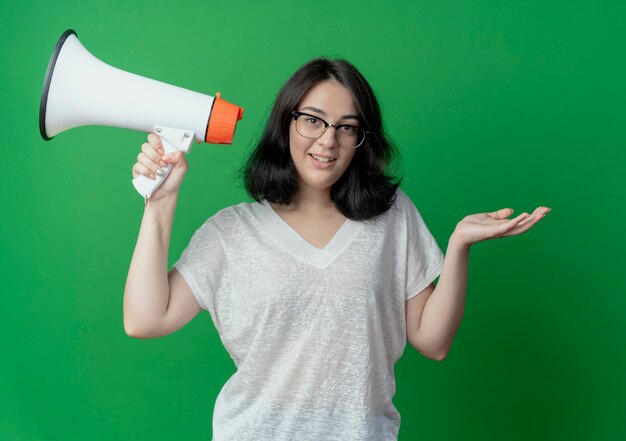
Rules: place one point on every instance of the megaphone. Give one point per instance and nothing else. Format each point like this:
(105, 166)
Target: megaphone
(81, 90)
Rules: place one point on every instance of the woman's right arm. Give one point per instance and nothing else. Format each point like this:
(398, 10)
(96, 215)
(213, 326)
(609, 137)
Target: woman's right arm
(157, 303)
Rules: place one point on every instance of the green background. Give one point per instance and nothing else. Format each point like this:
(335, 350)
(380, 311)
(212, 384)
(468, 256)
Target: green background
(493, 104)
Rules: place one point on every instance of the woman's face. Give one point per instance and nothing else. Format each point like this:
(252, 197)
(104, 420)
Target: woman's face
(333, 103)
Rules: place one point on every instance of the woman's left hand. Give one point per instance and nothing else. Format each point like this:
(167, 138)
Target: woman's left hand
(484, 226)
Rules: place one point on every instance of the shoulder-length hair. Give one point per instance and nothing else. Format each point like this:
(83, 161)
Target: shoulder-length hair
(365, 189)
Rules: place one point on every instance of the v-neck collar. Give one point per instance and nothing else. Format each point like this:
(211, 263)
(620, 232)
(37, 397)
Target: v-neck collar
(296, 245)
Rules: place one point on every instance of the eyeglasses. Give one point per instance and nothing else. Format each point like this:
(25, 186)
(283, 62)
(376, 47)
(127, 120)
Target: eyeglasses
(313, 127)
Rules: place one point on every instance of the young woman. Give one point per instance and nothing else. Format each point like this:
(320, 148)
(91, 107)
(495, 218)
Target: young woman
(316, 286)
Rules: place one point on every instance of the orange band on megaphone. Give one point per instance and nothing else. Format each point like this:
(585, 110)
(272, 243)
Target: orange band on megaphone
(222, 121)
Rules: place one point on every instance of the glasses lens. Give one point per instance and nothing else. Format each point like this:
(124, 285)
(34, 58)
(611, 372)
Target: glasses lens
(350, 136)
(309, 126)
(347, 135)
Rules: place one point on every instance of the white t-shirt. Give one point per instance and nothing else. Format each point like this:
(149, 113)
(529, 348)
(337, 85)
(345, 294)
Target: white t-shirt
(314, 333)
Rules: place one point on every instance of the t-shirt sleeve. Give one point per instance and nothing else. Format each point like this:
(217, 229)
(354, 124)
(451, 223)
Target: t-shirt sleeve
(203, 265)
(424, 258)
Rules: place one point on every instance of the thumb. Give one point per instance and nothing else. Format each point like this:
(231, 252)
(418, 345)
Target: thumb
(502, 213)
(176, 158)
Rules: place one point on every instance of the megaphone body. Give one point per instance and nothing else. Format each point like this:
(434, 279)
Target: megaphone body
(81, 90)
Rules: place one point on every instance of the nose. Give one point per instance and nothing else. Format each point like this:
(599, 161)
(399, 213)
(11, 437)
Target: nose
(328, 138)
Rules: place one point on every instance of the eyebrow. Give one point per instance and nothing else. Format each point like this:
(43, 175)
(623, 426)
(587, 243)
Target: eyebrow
(315, 109)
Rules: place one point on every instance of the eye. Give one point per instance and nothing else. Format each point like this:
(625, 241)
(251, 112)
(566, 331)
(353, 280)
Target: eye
(312, 121)
(347, 129)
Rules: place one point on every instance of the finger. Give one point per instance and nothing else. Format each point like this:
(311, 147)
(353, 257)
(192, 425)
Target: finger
(144, 160)
(140, 169)
(177, 158)
(512, 223)
(519, 229)
(153, 154)
(523, 226)
(541, 211)
(501, 214)
(516, 220)
(155, 141)
(537, 215)
(170, 158)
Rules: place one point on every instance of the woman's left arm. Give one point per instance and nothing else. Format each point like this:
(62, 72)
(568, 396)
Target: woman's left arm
(443, 310)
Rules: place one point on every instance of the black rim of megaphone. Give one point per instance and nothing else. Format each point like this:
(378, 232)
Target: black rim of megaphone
(46, 83)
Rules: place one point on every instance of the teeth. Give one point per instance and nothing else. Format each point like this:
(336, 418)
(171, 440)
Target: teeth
(320, 159)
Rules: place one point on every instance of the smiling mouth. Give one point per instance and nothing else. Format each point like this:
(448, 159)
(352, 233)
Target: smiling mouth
(322, 160)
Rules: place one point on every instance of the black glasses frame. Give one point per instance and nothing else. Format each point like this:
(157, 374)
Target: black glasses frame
(297, 115)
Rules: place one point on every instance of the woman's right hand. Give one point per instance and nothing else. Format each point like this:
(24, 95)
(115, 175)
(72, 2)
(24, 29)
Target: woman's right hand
(151, 158)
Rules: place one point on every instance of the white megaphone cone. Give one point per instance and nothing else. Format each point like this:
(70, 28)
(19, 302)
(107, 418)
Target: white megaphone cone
(80, 90)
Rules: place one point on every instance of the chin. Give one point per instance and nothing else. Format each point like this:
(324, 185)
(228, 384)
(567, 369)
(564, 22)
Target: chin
(324, 184)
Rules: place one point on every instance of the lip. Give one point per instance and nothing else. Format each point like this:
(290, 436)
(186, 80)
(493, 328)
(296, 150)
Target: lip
(323, 156)
(321, 165)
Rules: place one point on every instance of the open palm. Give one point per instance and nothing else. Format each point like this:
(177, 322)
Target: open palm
(484, 226)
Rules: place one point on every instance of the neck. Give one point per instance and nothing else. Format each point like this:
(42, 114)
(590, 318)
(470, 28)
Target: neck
(312, 198)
